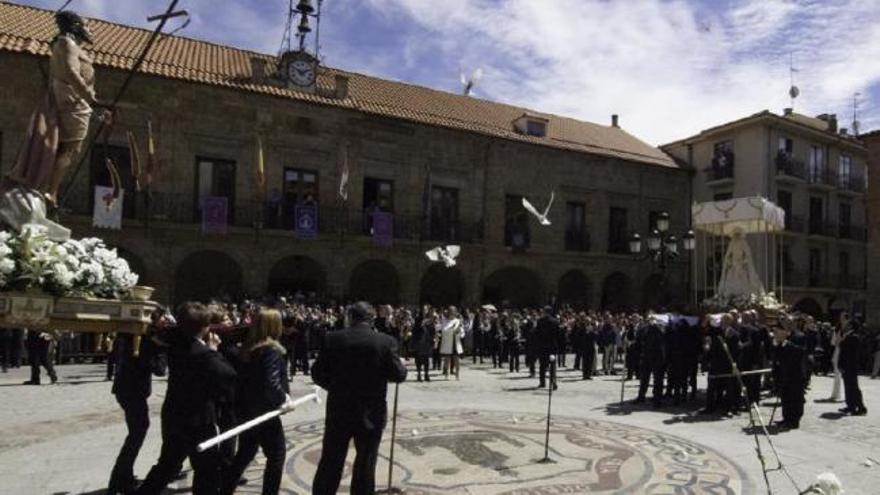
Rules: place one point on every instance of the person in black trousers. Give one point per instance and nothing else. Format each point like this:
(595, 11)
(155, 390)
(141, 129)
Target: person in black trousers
(652, 361)
(422, 344)
(199, 377)
(5, 349)
(40, 352)
(546, 335)
(264, 387)
(588, 349)
(848, 363)
(355, 367)
(132, 385)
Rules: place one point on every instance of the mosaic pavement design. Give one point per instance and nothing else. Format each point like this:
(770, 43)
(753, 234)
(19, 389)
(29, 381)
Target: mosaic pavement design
(496, 453)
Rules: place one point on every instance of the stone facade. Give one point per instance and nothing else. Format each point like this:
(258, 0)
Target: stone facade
(192, 120)
(872, 143)
(824, 265)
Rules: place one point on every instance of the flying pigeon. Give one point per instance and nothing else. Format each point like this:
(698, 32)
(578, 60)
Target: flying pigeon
(468, 84)
(542, 217)
(446, 254)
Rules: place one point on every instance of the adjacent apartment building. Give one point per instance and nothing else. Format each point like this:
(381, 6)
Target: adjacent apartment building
(816, 172)
(872, 143)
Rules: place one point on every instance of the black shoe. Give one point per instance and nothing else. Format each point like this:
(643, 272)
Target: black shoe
(53, 379)
(704, 412)
(31, 382)
(555, 387)
(860, 412)
(639, 400)
(846, 410)
(542, 385)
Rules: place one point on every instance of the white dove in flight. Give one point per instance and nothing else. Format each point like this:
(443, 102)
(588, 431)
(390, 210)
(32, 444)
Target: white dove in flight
(542, 217)
(446, 254)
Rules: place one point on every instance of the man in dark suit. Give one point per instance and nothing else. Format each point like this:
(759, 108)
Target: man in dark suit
(546, 334)
(199, 378)
(355, 366)
(791, 373)
(848, 363)
(132, 384)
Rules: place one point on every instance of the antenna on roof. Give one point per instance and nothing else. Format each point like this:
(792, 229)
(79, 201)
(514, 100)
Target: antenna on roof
(855, 122)
(467, 85)
(793, 90)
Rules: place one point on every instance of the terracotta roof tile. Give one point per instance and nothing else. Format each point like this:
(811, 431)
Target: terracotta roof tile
(29, 30)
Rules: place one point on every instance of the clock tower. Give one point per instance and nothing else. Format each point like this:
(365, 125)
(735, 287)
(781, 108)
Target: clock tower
(298, 67)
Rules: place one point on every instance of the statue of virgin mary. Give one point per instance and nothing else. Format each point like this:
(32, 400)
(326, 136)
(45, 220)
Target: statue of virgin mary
(738, 274)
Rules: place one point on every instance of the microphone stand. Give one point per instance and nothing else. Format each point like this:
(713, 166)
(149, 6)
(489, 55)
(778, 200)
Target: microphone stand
(391, 488)
(552, 370)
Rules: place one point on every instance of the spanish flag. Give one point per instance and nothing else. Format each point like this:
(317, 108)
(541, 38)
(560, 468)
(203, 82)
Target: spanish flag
(260, 172)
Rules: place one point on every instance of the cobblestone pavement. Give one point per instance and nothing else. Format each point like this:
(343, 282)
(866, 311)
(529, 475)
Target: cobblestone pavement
(481, 435)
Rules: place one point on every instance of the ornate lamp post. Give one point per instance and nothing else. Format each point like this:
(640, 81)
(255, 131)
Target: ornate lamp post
(663, 247)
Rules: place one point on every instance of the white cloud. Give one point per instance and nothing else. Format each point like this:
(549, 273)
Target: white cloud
(669, 68)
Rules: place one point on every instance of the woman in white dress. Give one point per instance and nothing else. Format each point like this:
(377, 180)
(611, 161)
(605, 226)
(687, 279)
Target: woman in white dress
(451, 333)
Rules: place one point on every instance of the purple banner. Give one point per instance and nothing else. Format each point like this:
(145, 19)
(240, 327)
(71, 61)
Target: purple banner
(383, 228)
(306, 218)
(215, 214)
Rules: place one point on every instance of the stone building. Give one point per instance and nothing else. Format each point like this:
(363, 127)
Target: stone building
(872, 143)
(813, 170)
(449, 168)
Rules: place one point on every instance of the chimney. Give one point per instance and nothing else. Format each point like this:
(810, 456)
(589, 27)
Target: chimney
(832, 122)
(614, 120)
(341, 86)
(844, 131)
(787, 111)
(258, 70)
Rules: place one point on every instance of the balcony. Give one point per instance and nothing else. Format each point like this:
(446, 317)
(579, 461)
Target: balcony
(172, 208)
(853, 233)
(794, 224)
(789, 167)
(850, 282)
(821, 176)
(577, 240)
(853, 184)
(823, 228)
(720, 170)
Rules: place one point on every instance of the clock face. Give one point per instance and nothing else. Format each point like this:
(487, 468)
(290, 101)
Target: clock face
(301, 72)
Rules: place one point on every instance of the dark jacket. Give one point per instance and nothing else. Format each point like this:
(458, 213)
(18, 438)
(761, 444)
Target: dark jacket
(850, 351)
(422, 342)
(133, 378)
(263, 380)
(653, 347)
(546, 335)
(355, 366)
(198, 378)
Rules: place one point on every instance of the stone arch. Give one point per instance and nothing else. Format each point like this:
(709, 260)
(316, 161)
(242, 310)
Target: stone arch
(297, 274)
(809, 306)
(442, 286)
(207, 274)
(513, 285)
(617, 292)
(574, 289)
(375, 281)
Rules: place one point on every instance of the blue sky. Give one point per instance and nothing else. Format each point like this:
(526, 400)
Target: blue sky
(669, 67)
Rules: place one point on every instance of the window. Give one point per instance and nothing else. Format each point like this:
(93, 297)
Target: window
(816, 267)
(444, 214)
(536, 128)
(215, 177)
(722, 196)
(787, 265)
(617, 231)
(786, 145)
(844, 214)
(576, 238)
(378, 196)
(300, 187)
(817, 216)
(783, 199)
(817, 164)
(722, 156)
(843, 266)
(844, 171)
(516, 223)
(100, 176)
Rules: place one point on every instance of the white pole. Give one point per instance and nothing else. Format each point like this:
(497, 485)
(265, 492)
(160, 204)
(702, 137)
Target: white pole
(207, 444)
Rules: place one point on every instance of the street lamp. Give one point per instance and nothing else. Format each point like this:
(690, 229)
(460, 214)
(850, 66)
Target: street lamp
(662, 246)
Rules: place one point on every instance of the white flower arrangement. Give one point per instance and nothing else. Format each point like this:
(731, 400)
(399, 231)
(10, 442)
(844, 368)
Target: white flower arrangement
(83, 267)
(765, 301)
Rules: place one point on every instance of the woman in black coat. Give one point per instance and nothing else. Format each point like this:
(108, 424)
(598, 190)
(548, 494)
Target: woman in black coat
(422, 345)
(264, 387)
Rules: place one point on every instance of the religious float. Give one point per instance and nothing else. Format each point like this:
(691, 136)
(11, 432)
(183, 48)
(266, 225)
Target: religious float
(49, 281)
(730, 276)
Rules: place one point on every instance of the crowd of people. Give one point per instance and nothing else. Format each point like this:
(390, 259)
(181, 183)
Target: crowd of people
(227, 363)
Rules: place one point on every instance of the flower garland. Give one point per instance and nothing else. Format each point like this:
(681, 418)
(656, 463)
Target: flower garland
(79, 268)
